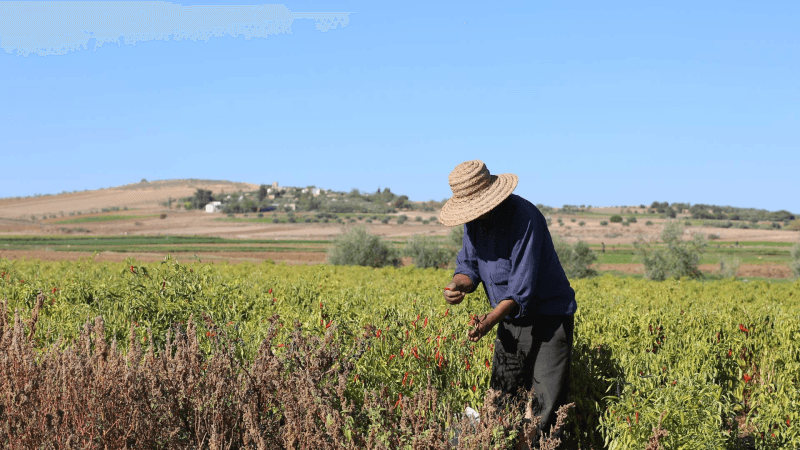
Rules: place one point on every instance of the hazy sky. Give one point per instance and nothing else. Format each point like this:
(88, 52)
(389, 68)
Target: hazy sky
(600, 103)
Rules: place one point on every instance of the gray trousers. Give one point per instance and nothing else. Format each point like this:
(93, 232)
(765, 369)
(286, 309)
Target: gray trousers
(535, 353)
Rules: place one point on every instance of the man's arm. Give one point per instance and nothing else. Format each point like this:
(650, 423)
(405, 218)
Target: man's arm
(485, 323)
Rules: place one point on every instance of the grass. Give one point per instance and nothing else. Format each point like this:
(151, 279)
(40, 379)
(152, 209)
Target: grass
(159, 244)
(109, 218)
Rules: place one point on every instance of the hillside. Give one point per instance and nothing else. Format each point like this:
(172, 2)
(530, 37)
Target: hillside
(140, 196)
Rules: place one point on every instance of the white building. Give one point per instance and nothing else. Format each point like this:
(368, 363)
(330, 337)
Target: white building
(214, 207)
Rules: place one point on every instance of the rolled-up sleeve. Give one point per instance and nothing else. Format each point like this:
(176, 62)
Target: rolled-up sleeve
(524, 267)
(467, 260)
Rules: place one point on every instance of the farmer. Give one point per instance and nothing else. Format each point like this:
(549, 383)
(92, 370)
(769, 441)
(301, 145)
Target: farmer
(508, 247)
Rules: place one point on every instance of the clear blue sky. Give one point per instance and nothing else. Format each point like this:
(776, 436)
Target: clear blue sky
(600, 103)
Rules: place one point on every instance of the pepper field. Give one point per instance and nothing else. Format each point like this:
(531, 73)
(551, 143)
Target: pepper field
(715, 363)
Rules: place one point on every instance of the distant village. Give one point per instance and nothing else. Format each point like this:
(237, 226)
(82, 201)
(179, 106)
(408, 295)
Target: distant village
(283, 198)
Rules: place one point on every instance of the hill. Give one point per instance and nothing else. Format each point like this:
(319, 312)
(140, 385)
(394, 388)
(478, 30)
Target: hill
(146, 195)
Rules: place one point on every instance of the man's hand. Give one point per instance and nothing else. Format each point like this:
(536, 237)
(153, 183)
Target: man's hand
(455, 291)
(453, 295)
(484, 324)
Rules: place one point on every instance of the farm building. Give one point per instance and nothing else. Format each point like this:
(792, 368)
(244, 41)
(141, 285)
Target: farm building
(214, 207)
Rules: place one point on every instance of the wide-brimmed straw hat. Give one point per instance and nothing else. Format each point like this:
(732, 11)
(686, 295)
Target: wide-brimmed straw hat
(475, 192)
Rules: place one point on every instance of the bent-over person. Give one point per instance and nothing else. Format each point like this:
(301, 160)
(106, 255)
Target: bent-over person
(507, 247)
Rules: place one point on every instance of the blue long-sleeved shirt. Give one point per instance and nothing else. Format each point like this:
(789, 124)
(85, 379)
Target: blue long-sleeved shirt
(512, 253)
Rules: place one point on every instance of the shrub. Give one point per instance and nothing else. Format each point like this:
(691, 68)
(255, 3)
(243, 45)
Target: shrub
(573, 220)
(795, 263)
(425, 222)
(648, 223)
(688, 223)
(162, 216)
(275, 220)
(230, 215)
(632, 219)
(429, 251)
(676, 258)
(368, 221)
(385, 220)
(418, 219)
(456, 237)
(581, 223)
(728, 265)
(603, 222)
(713, 236)
(260, 215)
(356, 247)
(625, 224)
(575, 259)
(616, 218)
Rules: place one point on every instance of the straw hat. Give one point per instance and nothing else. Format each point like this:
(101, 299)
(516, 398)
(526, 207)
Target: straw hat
(475, 192)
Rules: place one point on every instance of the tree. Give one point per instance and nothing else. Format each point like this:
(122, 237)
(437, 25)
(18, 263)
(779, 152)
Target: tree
(674, 257)
(795, 263)
(575, 259)
(356, 247)
(262, 192)
(201, 198)
(429, 251)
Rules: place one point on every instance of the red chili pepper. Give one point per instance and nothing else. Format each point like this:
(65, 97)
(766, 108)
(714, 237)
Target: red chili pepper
(281, 345)
(378, 332)
(747, 378)
(486, 362)
(424, 325)
(398, 401)
(414, 350)
(446, 288)
(404, 378)
(270, 291)
(743, 329)
(329, 324)
(402, 353)
(474, 388)
(637, 416)
(391, 357)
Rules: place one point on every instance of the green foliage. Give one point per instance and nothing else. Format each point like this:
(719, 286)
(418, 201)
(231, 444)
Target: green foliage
(794, 225)
(356, 247)
(603, 222)
(575, 259)
(795, 263)
(201, 198)
(644, 353)
(728, 265)
(648, 223)
(262, 192)
(581, 223)
(632, 219)
(429, 251)
(674, 258)
(616, 218)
